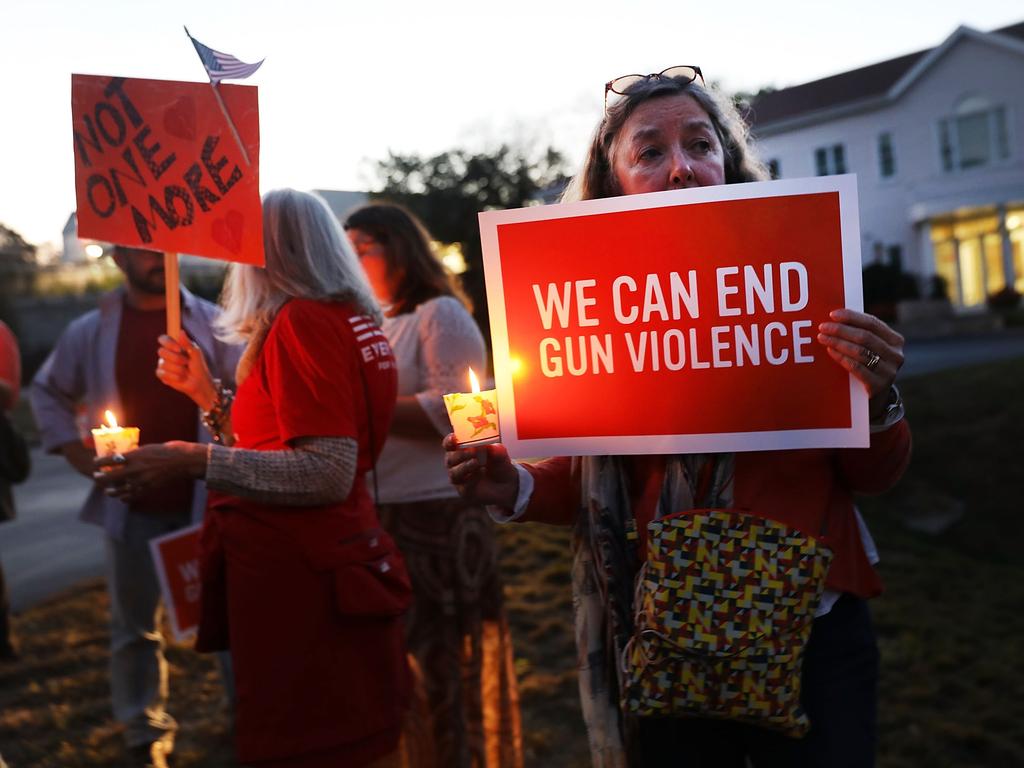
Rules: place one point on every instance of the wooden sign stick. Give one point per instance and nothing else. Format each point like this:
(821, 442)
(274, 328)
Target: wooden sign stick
(172, 291)
(231, 123)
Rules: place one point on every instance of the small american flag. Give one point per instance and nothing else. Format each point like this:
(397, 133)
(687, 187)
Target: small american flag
(222, 66)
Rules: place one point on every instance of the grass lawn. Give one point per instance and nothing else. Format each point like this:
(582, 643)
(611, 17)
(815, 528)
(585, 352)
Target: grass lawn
(950, 624)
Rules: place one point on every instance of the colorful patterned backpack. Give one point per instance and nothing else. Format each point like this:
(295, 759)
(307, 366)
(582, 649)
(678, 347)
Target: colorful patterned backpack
(723, 610)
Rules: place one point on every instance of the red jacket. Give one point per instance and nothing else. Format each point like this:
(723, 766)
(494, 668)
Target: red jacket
(301, 594)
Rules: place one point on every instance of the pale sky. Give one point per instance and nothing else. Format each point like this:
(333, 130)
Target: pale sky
(346, 81)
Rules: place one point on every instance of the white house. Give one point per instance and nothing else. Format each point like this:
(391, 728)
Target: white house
(342, 202)
(936, 139)
(74, 249)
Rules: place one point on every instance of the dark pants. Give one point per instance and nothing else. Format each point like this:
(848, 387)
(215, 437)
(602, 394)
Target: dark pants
(6, 643)
(839, 691)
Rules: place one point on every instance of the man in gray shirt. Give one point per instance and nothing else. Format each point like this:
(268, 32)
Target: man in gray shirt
(107, 359)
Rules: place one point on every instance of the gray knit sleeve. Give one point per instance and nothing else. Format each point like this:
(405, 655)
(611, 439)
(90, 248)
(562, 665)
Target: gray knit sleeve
(319, 470)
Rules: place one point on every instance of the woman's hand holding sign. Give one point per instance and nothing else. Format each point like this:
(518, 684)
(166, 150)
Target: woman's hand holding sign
(866, 347)
(182, 367)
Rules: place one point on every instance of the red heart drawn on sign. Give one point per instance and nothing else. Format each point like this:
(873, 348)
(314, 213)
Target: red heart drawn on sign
(180, 118)
(228, 231)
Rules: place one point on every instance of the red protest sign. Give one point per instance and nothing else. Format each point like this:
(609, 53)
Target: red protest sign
(176, 560)
(157, 166)
(675, 322)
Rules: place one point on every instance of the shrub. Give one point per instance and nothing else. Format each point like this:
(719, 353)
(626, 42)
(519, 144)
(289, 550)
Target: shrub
(1003, 300)
(884, 286)
(938, 288)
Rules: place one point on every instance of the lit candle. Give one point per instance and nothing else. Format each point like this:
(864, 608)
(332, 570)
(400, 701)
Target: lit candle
(474, 414)
(113, 439)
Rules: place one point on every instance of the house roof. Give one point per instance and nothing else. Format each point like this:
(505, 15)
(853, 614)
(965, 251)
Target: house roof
(340, 201)
(847, 88)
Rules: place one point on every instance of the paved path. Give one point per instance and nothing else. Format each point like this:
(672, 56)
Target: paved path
(930, 356)
(47, 549)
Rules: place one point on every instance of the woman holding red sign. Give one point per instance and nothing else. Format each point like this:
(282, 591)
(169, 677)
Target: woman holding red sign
(299, 580)
(668, 131)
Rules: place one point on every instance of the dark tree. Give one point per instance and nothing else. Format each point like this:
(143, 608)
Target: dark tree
(14, 248)
(448, 190)
(746, 98)
(17, 259)
(885, 286)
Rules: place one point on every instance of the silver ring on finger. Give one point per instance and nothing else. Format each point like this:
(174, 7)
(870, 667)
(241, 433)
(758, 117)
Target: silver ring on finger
(872, 361)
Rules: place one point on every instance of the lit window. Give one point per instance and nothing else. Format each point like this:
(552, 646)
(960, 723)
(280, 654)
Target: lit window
(946, 268)
(1015, 227)
(969, 257)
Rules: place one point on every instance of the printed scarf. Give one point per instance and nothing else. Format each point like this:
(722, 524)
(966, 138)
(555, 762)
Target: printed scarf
(605, 565)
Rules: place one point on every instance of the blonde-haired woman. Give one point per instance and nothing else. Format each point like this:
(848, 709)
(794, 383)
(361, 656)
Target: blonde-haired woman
(298, 578)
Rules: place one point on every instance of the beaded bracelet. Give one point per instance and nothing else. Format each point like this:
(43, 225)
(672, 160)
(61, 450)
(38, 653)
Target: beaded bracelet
(216, 418)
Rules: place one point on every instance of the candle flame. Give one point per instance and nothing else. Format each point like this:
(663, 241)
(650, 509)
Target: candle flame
(473, 382)
(111, 420)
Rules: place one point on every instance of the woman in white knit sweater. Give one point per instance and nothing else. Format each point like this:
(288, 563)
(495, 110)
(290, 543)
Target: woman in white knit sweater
(457, 626)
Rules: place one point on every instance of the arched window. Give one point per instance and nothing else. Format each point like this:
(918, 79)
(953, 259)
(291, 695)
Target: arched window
(971, 103)
(974, 136)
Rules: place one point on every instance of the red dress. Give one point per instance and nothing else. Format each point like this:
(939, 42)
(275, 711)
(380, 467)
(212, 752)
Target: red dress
(319, 681)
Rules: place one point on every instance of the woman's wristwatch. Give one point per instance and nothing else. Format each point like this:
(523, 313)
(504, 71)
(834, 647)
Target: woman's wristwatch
(893, 411)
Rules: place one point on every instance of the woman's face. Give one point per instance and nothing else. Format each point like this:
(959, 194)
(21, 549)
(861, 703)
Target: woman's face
(667, 143)
(374, 263)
